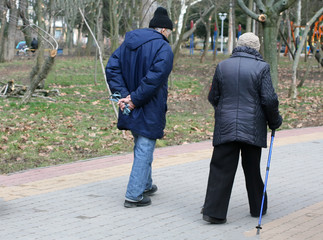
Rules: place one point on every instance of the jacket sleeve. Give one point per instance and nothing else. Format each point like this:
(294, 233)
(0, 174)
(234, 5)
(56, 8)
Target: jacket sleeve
(269, 100)
(214, 94)
(155, 78)
(114, 75)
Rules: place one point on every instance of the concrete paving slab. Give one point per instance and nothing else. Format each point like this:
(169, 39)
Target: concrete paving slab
(84, 200)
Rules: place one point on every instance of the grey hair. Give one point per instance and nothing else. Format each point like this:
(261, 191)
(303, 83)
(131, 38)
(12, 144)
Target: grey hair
(160, 29)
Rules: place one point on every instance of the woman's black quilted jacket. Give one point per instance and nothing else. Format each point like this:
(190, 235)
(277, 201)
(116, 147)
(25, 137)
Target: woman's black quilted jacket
(244, 99)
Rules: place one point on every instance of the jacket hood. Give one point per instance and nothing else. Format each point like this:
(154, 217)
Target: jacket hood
(138, 37)
(246, 52)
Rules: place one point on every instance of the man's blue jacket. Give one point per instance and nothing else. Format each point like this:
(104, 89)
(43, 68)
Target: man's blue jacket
(140, 67)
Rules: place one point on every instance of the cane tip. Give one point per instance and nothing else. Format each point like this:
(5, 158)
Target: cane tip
(251, 234)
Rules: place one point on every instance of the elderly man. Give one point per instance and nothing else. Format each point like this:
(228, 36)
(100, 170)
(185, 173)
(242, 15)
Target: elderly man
(138, 70)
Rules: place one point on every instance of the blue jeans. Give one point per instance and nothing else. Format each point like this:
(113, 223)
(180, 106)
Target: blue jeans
(140, 177)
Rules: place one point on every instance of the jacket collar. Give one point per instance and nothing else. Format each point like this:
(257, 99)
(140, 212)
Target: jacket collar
(247, 52)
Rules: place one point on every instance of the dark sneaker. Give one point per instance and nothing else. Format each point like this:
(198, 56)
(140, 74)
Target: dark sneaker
(142, 203)
(151, 191)
(214, 220)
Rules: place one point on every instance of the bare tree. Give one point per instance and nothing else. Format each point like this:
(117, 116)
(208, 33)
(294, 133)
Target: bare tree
(3, 13)
(9, 52)
(207, 37)
(207, 25)
(208, 9)
(43, 66)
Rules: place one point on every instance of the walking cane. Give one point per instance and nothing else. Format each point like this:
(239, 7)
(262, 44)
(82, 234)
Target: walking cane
(265, 186)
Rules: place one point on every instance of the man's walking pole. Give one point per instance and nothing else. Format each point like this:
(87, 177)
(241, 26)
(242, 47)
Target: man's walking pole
(267, 173)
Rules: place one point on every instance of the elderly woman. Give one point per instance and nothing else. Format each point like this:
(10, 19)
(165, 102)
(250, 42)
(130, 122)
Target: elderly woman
(245, 101)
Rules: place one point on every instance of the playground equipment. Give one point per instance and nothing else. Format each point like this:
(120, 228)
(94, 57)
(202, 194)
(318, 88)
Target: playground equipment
(315, 38)
(318, 31)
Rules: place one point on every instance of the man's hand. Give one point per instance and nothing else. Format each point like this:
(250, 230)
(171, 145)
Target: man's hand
(127, 100)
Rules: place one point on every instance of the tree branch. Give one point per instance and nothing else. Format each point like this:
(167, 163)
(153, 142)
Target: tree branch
(261, 6)
(270, 3)
(286, 43)
(189, 32)
(282, 5)
(249, 12)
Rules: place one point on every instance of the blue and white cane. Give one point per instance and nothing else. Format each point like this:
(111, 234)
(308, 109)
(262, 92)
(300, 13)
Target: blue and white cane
(266, 179)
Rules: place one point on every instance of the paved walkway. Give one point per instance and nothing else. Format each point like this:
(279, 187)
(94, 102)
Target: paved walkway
(84, 200)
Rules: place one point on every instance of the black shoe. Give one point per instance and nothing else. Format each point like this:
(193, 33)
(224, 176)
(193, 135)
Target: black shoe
(214, 220)
(142, 203)
(202, 209)
(257, 215)
(151, 191)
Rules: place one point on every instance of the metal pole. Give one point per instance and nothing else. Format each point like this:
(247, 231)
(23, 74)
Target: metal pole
(222, 35)
(222, 17)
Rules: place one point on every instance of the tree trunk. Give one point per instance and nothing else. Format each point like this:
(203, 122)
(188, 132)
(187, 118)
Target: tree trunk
(90, 40)
(249, 19)
(10, 53)
(80, 29)
(234, 32)
(147, 12)
(40, 51)
(216, 42)
(114, 25)
(70, 34)
(206, 41)
(298, 17)
(230, 34)
(51, 16)
(40, 77)
(270, 54)
(2, 31)
(99, 24)
(176, 46)
(23, 7)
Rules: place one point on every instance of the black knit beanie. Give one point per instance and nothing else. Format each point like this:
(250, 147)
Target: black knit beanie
(161, 19)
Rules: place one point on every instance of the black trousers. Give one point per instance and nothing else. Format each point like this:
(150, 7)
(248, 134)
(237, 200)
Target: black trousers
(223, 167)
